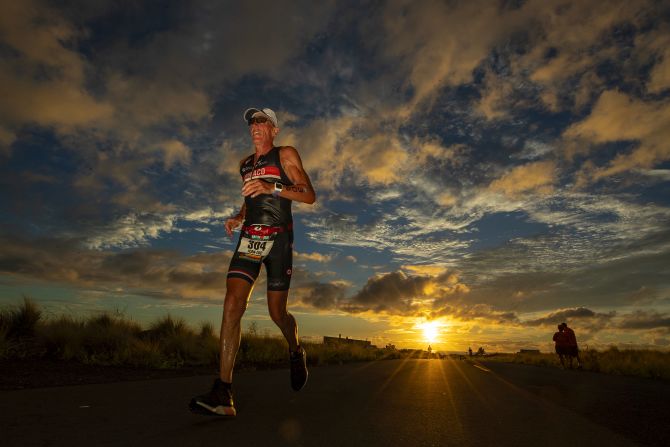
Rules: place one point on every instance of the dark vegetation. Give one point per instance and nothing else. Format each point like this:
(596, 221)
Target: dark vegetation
(629, 362)
(168, 343)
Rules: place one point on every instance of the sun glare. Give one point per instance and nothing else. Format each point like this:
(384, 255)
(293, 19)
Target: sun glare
(431, 331)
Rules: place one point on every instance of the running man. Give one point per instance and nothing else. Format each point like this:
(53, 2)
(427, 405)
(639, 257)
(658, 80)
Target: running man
(272, 178)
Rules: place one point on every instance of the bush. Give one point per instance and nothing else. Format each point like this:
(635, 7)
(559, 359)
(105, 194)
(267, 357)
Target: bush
(20, 322)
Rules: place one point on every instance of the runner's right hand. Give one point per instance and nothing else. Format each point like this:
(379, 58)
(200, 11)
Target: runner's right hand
(231, 224)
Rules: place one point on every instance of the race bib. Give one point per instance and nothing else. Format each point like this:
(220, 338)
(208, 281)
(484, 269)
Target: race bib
(256, 248)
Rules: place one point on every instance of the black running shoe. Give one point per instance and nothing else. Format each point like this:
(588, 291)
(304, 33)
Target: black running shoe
(298, 369)
(218, 402)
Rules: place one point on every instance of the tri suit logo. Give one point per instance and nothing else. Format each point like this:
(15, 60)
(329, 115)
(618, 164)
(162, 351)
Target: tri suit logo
(268, 172)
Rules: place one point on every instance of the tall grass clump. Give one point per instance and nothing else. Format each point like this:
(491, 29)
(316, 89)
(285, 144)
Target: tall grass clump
(22, 320)
(17, 328)
(4, 331)
(180, 345)
(104, 339)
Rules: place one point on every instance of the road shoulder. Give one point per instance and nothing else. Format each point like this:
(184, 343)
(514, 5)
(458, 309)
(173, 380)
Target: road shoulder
(634, 407)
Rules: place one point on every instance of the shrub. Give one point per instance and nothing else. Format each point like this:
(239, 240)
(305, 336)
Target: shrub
(21, 322)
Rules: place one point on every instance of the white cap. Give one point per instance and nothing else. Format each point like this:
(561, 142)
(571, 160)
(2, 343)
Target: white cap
(267, 112)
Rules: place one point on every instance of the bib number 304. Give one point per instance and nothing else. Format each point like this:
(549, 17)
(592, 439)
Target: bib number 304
(255, 248)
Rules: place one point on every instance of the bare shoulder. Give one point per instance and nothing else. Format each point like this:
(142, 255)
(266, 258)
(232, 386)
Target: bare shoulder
(288, 151)
(290, 154)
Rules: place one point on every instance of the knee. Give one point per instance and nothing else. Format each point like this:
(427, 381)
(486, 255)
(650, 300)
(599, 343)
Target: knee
(234, 307)
(278, 315)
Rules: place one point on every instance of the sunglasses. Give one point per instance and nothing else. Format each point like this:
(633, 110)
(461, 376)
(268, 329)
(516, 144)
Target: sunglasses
(258, 120)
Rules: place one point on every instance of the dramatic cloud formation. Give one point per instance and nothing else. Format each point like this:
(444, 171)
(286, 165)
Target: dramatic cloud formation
(492, 166)
(618, 117)
(154, 273)
(535, 177)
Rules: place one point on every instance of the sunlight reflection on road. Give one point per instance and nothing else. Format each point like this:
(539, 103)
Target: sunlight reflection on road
(447, 385)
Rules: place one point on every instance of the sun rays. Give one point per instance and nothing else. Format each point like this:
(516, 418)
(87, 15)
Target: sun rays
(432, 331)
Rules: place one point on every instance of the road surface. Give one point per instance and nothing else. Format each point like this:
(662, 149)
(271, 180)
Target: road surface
(386, 403)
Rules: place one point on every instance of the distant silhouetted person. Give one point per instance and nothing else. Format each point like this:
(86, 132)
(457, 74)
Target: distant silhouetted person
(470, 351)
(572, 348)
(561, 344)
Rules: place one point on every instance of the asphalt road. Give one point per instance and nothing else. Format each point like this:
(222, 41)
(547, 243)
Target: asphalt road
(388, 403)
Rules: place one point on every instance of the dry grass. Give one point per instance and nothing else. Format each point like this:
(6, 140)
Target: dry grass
(630, 362)
(112, 339)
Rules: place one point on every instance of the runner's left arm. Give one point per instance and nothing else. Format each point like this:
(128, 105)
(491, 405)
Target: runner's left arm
(301, 190)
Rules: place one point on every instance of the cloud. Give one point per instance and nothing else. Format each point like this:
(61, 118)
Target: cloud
(153, 273)
(475, 313)
(319, 144)
(141, 103)
(432, 147)
(208, 215)
(441, 43)
(426, 269)
(660, 76)
(333, 148)
(571, 28)
(534, 149)
(138, 100)
(551, 57)
(175, 152)
(6, 139)
(537, 177)
(392, 292)
(397, 293)
(131, 230)
(567, 315)
(643, 320)
(619, 117)
(315, 257)
(655, 44)
(58, 98)
(323, 296)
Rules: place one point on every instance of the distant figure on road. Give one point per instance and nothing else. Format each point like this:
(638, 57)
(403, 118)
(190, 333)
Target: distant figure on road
(470, 351)
(571, 343)
(273, 178)
(561, 344)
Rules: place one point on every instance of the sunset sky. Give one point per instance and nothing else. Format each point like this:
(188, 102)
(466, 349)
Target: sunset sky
(491, 168)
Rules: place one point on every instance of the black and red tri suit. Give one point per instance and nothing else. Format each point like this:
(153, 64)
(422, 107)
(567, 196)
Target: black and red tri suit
(267, 233)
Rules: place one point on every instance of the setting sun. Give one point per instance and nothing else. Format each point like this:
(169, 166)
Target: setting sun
(431, 331)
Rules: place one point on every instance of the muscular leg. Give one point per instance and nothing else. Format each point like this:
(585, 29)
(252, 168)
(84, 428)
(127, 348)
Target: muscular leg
(277, 307)
(237, 297)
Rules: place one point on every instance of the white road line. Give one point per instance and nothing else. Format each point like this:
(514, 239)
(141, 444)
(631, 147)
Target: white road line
(481, 367)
